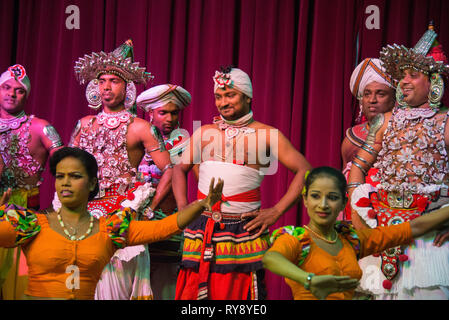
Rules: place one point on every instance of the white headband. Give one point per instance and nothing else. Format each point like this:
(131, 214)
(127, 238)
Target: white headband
(159, 96)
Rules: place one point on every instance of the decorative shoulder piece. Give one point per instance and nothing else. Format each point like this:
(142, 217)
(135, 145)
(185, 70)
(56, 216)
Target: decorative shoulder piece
(75, 133)
(24, 221)
(117, 226)
(297, 232)
(375, 124)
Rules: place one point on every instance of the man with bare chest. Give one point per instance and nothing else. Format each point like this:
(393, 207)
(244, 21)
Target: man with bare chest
(222, 250)
(118, 140)
(25, 144)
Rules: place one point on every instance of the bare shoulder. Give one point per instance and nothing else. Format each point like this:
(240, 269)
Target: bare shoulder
(139, 123)
(140, 129)
(259, 125)
(208, 126)
(38, 125)
(270, 131)
(39, 122)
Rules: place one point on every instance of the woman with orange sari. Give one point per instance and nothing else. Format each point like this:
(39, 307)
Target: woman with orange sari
(67, 250)
(319, 260)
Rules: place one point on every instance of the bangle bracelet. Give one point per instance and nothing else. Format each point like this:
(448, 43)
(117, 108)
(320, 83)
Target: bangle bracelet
(308, 281)
(353, 185)
(360, 167)
(372, 151)
(363, 160)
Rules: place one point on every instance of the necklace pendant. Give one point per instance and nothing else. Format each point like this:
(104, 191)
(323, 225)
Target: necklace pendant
(73, 238)
(231, 132)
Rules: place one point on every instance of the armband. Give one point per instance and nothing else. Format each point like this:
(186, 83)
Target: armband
(53, 136)
(154, 149)
(168, 166)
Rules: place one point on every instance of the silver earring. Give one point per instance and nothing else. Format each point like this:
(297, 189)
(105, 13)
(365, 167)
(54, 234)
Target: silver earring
(131, 94)
(93, 94)
(436, 91)
(400, 97)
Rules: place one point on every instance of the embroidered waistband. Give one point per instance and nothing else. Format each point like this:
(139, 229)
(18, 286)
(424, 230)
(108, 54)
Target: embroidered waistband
(405, 200)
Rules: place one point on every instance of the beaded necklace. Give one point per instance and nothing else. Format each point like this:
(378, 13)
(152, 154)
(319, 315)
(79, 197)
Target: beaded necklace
(321, 237)
(72, 237)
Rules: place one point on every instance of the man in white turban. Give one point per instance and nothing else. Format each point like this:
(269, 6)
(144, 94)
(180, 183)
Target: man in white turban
(223, 248)
(374, 89)
(164, 103)
(26, 142)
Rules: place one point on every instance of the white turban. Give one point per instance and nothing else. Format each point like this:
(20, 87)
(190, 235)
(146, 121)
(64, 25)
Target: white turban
(369, 70)
(236, 79)
(159, 96)
(18, 73)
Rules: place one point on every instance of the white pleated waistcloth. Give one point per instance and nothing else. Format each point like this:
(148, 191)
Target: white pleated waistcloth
(237, 179)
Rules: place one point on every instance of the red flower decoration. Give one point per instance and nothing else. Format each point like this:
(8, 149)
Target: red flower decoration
(363, 202)
(422, 203)
(437, 53)
(372, 214)
(403, 257)
(387, 284)
(130, 196)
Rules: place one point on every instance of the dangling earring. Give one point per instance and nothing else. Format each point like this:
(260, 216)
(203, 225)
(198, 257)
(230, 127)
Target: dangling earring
(93, 94)
(436, 91)
(131, 94)
(400, 97)
(359, 116)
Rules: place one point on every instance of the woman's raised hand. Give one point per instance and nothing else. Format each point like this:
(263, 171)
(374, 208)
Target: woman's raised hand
(215, 193)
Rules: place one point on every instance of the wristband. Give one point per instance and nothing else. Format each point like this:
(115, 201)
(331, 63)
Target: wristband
(308, 281)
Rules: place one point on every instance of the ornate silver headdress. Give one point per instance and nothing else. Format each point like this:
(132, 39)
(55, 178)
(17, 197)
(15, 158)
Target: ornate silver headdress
(427, 57)
(119, 62)
(396, 58)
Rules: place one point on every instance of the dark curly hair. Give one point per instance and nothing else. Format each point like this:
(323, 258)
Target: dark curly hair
(89, 162)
